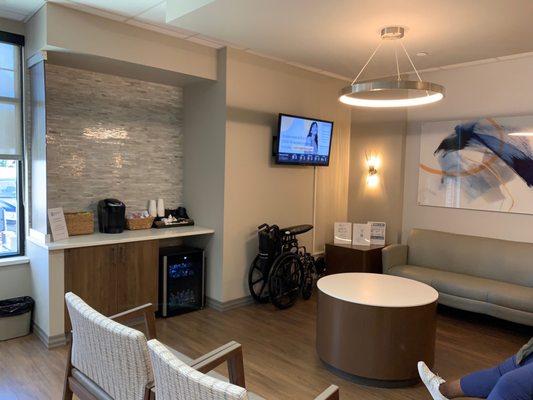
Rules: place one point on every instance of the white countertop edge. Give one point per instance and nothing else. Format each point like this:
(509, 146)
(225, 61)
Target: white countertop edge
(100, 239)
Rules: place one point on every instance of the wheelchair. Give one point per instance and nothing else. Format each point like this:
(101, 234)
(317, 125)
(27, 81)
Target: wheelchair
(283, 270)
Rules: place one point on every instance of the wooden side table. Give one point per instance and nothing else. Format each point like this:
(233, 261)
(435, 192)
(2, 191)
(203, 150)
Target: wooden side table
(347, 258)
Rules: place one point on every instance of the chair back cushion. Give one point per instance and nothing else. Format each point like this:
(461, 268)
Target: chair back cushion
(112, 355)
(495, 259)
(175, 380)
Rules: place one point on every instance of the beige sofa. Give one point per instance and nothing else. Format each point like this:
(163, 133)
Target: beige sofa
(488, 276)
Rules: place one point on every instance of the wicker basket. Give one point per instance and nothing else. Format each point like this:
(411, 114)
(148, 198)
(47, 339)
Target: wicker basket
(80, 223)
(134, 224)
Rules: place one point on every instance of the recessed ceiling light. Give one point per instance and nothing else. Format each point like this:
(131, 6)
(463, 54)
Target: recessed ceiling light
(422, 54)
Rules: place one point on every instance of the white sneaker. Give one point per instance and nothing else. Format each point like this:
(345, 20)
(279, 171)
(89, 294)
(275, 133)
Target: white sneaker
(431, 381)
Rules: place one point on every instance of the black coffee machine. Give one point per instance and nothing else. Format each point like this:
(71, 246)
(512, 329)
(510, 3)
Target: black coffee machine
(111, 216)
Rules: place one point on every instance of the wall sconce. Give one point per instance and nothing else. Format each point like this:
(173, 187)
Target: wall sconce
(373, 163)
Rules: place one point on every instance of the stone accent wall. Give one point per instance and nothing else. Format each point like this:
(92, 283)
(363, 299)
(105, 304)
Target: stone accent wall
(111, 137)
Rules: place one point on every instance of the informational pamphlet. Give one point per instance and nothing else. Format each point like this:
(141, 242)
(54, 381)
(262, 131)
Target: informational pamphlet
(57, 223)
(377, 232)
(361, 235)
(342, 233)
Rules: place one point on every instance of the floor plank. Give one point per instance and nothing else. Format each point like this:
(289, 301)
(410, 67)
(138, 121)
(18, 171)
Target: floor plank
(279, 352)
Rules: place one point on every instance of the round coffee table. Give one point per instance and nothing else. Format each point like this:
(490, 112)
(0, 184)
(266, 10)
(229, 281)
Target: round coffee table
(374, 328)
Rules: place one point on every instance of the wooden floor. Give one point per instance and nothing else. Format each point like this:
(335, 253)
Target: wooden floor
(279, 352)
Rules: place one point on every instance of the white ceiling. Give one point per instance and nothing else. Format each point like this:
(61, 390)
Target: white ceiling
(333, 36)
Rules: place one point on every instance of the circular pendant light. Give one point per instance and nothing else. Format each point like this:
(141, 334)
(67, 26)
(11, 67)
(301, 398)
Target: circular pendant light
(388, 93)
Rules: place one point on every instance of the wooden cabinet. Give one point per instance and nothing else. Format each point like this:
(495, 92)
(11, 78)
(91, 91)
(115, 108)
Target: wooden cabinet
(137, 270)
(113, 278)
(90, 273)
(347, 258)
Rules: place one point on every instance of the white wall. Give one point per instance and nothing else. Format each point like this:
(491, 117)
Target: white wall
(503, 88)
(36, 32)
(15, 281)
(8, 25)
(380, 133)
(60, 28)
(203, 166)
(258, 191)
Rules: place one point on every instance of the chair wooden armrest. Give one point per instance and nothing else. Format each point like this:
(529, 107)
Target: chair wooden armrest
(331, 393)
(150, 392)
(232, 354)
(145, 311)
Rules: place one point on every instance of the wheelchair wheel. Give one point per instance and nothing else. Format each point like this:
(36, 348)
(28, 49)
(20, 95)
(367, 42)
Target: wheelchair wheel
(307, 287)
(285, 280)
(258, 282)
(308, 280)
(320, 266)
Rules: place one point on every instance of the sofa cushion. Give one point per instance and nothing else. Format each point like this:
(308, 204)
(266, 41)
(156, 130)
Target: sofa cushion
(446, 282)
(494, 259)
(512, 296)
(509, 314)
(470, 287)
(420, 274)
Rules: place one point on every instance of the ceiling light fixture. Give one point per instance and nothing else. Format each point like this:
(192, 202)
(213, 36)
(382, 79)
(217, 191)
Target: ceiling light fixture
(384, 93)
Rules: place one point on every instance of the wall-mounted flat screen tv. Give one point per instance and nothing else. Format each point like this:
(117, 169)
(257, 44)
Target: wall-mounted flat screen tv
(302, 141)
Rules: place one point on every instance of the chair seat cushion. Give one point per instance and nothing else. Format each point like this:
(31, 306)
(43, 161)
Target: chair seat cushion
(470, 287)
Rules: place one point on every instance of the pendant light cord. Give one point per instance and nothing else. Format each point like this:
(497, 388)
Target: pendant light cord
(368, 61)
(411, 61)
(397, 63)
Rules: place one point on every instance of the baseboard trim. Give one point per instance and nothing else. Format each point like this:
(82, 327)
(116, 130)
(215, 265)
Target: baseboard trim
(49, 341)
(229, 305)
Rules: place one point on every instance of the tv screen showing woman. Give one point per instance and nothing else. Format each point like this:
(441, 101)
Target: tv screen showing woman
(303, 141)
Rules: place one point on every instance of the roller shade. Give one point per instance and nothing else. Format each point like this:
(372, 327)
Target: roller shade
(10, 101)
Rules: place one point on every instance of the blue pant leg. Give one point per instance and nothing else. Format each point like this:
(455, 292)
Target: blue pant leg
(515, 385)
(481, 383)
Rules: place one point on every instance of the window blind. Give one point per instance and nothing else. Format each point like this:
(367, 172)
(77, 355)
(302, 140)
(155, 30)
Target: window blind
(10, 101)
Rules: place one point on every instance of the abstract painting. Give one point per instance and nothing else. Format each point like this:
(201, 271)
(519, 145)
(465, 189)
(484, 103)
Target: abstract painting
(483, 164)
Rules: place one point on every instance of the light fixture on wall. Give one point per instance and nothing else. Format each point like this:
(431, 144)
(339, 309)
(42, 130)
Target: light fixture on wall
(373, 163)
(385, 93)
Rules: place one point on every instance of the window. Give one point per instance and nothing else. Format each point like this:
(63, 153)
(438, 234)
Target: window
(11, 145)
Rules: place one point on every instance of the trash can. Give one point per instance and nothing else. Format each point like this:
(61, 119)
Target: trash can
(15, 317)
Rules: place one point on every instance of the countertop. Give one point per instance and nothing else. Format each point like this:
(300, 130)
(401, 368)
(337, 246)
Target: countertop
(100, 239)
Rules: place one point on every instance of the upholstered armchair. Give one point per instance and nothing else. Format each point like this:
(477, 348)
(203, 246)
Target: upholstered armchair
(175, 380)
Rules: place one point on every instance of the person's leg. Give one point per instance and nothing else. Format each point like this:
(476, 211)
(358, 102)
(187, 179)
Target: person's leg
(515, 385)
(479, 383)
(431, 381)
(452, 389)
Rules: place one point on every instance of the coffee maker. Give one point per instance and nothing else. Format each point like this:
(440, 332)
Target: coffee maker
(111, 216)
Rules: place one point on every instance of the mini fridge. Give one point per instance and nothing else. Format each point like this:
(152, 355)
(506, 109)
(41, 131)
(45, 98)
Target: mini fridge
(181, 280)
